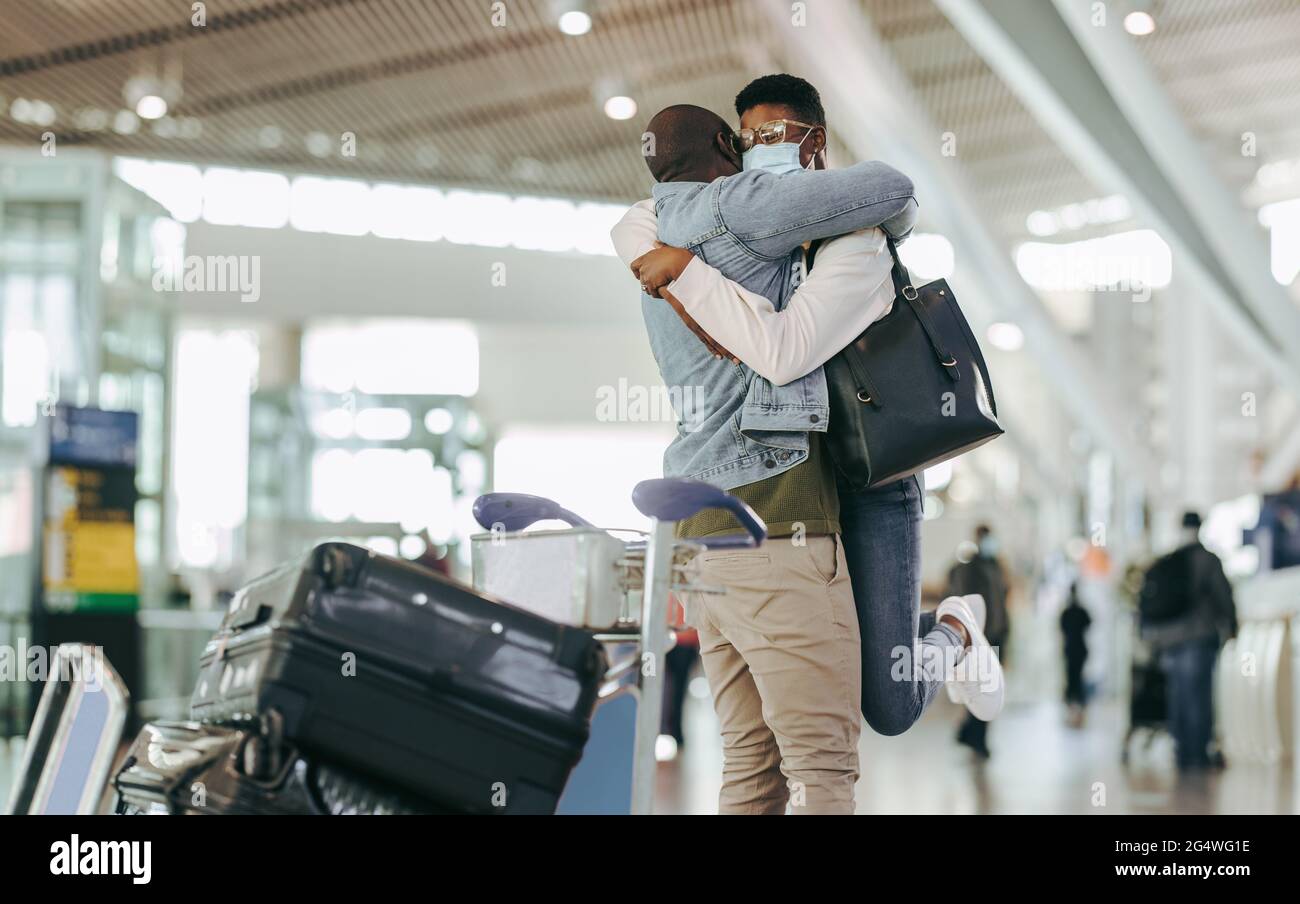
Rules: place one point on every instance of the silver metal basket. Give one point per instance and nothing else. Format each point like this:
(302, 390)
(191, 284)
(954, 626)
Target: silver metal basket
(578, 576)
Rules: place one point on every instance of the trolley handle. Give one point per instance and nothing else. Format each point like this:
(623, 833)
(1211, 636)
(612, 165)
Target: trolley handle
(676, 499)
(516, 511)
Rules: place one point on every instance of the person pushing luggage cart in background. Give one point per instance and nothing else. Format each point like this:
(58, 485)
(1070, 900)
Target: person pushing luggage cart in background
(1187, 613)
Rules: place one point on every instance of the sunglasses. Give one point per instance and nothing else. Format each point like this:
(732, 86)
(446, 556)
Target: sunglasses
(768, 133)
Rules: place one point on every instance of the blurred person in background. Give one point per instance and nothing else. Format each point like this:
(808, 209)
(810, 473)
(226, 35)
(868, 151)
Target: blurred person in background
(1187, 613)
(1277, 536)
(678, 663)
(984, 575)
(1075, 622)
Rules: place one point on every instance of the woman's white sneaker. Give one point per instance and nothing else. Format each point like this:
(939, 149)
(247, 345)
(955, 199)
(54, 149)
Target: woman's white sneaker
(975, 603)
(976, 680)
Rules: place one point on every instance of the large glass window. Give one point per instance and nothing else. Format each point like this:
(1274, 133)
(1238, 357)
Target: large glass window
(228, 196)
(391, 357)
(588, 470)
(214, 372)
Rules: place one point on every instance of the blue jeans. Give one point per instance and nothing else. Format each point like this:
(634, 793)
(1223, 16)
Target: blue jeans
(1189, 686)
(881, 532)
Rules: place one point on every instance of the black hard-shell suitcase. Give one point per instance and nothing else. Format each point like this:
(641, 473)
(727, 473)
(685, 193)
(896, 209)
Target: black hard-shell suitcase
(187, 768)
(406, 675)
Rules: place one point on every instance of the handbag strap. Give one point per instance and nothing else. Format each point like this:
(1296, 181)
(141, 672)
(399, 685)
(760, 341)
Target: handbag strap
(903, 287)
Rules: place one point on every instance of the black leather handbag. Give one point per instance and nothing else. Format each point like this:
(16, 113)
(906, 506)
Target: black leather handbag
(910, 392)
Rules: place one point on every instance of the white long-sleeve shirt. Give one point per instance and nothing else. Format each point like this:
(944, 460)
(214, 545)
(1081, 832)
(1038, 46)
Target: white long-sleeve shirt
(848, 290)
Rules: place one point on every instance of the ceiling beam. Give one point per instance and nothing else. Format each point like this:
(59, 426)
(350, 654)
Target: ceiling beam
(881, 117)
(1128, 132)
(1228, 227)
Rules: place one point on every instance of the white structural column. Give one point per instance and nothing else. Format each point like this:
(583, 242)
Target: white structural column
(879, 116)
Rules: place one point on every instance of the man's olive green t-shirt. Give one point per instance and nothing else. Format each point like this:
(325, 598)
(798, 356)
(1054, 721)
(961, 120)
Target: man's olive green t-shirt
(804, 494)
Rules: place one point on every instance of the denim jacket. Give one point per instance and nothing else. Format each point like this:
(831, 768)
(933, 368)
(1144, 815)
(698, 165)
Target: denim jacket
(735, 427)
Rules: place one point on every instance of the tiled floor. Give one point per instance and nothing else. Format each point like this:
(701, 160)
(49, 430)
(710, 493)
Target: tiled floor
(1039, 765)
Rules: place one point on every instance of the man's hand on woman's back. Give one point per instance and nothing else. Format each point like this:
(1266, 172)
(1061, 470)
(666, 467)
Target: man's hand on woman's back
(658, 268)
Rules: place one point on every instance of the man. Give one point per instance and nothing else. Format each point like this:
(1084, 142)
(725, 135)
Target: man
(1187, 613)
(983, 575)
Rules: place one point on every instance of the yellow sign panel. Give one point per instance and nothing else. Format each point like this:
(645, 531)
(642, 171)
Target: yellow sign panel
(91, 557)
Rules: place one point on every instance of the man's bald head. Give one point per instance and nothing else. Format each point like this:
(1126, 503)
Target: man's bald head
(690, 144)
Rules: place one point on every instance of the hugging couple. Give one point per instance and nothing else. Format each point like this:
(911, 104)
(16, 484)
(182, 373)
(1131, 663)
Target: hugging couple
(821, 625)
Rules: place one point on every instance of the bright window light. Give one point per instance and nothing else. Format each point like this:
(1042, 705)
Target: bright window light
(236, 197)
(406, 212)
(384, 486)
(591, 226)
(472, 468)
(1278, 173)
(168, 239)
(542, 224)
(337, 423)
(1042, 223)
(213, 374)
(412, 547)
(927, 256)
(383, 424)
(384, 483)
(478, 218)
(1283, 222)
(26, 376)
(340, 206)
(39, 325)
(938, 477)
(332, 488)
(588, 470)
(438, 421)
(1126, 261)
(385, 546)
(1006, 336)
(428, 501)
(176, 186)
(245, 198)
(397, 357)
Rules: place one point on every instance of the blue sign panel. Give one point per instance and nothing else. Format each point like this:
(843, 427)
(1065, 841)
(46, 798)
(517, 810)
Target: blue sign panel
(91, 436)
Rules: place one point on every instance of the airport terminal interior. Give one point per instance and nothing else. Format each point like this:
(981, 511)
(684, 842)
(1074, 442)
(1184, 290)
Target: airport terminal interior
(279, 273)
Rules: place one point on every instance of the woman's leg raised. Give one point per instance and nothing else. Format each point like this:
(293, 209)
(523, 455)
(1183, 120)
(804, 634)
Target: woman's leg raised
(882, 544)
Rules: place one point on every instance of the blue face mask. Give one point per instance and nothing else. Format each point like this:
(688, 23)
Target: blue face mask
(777, 158)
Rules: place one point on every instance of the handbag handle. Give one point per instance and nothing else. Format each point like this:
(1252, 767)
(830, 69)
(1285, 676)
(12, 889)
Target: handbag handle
(903, 286)
(867, 392)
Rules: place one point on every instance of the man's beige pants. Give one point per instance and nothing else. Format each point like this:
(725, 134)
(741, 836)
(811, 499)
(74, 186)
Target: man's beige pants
(781, 652)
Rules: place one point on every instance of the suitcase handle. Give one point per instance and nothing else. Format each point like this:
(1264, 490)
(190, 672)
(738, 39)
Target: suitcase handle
(516, 511)
(676, 499)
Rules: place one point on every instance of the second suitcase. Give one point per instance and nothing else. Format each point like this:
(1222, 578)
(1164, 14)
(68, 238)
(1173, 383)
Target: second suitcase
(406, 675)
(186, 768)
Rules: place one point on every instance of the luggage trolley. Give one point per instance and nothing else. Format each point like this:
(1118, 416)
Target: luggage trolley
(617, 588)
